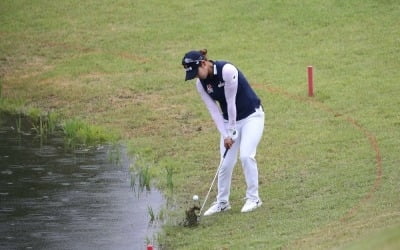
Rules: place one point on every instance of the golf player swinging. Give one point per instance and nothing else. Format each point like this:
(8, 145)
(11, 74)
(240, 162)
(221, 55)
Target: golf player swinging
(239, 117)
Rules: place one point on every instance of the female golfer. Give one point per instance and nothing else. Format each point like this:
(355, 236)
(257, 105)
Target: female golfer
(239, 117)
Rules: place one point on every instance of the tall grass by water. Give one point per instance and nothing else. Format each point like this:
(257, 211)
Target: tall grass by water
(140, 175)
(77, 132)
(40, 124)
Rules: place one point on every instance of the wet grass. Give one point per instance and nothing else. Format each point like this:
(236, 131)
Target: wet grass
(44, 124)
(77, 133)
(18, 124)
(115, 153)
(40, 124)
(169, 176)
(144, 178)
(140, 176)
(151, 214)
(328, 165)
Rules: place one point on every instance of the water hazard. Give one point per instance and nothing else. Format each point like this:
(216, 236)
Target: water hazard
(52, 198)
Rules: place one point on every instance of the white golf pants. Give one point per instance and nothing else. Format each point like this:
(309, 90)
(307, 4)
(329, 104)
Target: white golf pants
(250, 132)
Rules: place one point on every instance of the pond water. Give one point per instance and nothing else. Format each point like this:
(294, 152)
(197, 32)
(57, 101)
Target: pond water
(52, 198)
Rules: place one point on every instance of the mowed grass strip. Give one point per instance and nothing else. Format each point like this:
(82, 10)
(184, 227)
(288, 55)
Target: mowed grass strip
(117, 65)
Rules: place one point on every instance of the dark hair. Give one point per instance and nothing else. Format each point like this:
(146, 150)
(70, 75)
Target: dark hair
(203, 52)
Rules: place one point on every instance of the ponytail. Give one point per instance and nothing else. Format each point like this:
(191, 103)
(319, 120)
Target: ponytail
(203, 52)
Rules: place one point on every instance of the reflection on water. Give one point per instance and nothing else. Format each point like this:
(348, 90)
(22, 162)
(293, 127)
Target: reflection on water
(55, 199)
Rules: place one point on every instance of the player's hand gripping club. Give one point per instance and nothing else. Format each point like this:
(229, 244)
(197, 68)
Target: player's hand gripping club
(230, 139)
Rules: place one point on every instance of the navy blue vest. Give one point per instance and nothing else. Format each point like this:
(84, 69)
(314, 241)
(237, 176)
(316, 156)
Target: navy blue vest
(246, 100)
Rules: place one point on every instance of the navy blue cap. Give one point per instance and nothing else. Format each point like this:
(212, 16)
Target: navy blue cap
(191, 62)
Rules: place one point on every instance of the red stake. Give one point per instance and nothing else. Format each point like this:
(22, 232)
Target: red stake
(310, 81)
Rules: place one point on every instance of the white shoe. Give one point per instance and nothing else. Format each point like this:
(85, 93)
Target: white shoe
(217, 207)
(250, 205)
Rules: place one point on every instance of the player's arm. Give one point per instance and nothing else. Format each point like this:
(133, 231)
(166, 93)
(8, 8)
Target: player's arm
(230, 75)
(213, 109)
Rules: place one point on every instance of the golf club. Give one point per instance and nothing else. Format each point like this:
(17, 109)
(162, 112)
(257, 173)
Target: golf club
(212, 183)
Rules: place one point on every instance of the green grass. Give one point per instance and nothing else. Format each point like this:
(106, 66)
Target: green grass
(328, 165)
(77, 133)
(386, 239)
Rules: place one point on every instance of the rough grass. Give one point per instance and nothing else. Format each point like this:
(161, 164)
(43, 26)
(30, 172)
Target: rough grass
(328, 165)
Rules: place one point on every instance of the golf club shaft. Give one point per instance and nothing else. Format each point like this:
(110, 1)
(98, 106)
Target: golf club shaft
(212, 183)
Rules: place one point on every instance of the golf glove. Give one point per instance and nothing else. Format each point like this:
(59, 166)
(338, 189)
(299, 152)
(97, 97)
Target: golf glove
(233, 134)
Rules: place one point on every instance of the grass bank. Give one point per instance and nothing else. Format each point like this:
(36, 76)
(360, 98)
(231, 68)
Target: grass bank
(328, 165)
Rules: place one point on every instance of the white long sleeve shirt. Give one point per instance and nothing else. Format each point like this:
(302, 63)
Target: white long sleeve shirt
(230, 76)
